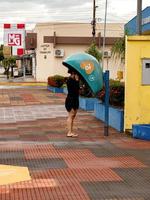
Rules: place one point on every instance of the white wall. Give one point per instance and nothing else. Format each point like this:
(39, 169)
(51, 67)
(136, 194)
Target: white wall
(52, 65)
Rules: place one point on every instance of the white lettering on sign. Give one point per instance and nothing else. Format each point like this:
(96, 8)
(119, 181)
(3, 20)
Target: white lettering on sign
(146, 20)
(45, 49)
(45, 45)
(14, 39)
(45, 52)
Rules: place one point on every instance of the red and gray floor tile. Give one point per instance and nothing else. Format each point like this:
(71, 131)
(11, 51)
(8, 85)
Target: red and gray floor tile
(55, 167)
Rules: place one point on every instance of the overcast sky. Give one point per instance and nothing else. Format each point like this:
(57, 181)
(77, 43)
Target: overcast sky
(33, 11)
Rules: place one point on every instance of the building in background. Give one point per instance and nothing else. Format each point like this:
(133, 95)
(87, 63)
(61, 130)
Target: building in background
(56, 41)
(40, 52)
(14, 36)
(137, 83)
(30, 56)
(131, 25)
(23, 46)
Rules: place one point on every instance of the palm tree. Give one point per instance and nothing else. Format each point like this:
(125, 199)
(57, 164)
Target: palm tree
(118, 49)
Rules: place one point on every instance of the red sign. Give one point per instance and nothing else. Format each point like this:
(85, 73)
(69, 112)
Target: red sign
(7, 25)
(14, 39)
(20, 52)
(20, 26)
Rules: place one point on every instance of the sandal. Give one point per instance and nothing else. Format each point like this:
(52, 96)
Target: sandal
(69, 135)
(74, 135)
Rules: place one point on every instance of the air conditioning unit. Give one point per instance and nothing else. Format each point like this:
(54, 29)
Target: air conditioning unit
(107, 54)
(59, 52)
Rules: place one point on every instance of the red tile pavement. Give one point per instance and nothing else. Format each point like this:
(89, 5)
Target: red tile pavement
(40, 151)
(83, 158)
(60, 167)
(22, 96)
(78, 175)
(46, 189)
(132, 144)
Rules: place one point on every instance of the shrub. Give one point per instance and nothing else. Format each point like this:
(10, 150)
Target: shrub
(85, 90)
(94, 51)
(56, 81)
(116, 94)
(116, 83)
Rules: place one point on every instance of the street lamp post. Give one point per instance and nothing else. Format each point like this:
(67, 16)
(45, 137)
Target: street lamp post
(106, 79)
(104, 36)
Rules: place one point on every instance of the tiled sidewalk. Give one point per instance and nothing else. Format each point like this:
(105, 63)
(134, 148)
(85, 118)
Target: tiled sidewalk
(89, 167)
(30, 113)
(29, 96)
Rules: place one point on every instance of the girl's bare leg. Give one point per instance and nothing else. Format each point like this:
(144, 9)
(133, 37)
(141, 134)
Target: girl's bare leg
(70, 120)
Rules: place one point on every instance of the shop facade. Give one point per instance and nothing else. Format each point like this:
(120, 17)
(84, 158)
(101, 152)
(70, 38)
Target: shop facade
(21, 44)
(137, 82)
(56, 41)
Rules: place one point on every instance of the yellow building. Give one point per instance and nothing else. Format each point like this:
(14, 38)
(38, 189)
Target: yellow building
(137, 81)
(56, 41)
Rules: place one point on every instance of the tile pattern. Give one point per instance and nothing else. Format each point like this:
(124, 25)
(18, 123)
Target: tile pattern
(44, 127)
(89, 167)
(135, 186)
(29, 96)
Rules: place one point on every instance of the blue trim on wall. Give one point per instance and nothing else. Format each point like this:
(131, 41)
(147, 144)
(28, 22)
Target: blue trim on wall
(131, 25)
(87, 103)
(55, 89)
(116, 116)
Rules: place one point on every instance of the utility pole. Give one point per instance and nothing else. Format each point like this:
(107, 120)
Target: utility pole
(104, 36)
(94, 20)
(139, 17)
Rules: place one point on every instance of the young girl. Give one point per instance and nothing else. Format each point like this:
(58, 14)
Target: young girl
(72, 101)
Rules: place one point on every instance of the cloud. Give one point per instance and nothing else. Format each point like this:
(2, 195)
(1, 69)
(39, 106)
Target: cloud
(34, 11)
(53, 4)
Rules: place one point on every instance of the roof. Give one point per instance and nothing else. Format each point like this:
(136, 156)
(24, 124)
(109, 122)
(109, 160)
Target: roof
(131, 25)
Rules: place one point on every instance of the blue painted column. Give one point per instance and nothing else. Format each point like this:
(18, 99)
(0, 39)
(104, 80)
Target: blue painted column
(106, 83)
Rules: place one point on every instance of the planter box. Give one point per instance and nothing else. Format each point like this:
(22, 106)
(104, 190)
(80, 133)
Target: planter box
(141, 131)
(55, 89)
(116, 116)
(84, 102)
(87, 103)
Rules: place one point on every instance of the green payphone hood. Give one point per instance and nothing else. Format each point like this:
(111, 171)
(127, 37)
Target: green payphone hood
(88, 67)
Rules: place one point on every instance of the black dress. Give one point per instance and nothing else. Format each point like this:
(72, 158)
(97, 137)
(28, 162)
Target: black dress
(72, 100)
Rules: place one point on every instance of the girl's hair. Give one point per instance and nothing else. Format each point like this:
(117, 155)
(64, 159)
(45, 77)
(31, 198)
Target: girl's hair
(70, 71)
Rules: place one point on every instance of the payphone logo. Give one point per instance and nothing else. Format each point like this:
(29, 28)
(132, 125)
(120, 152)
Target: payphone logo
(88, 66)
(14, 39)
